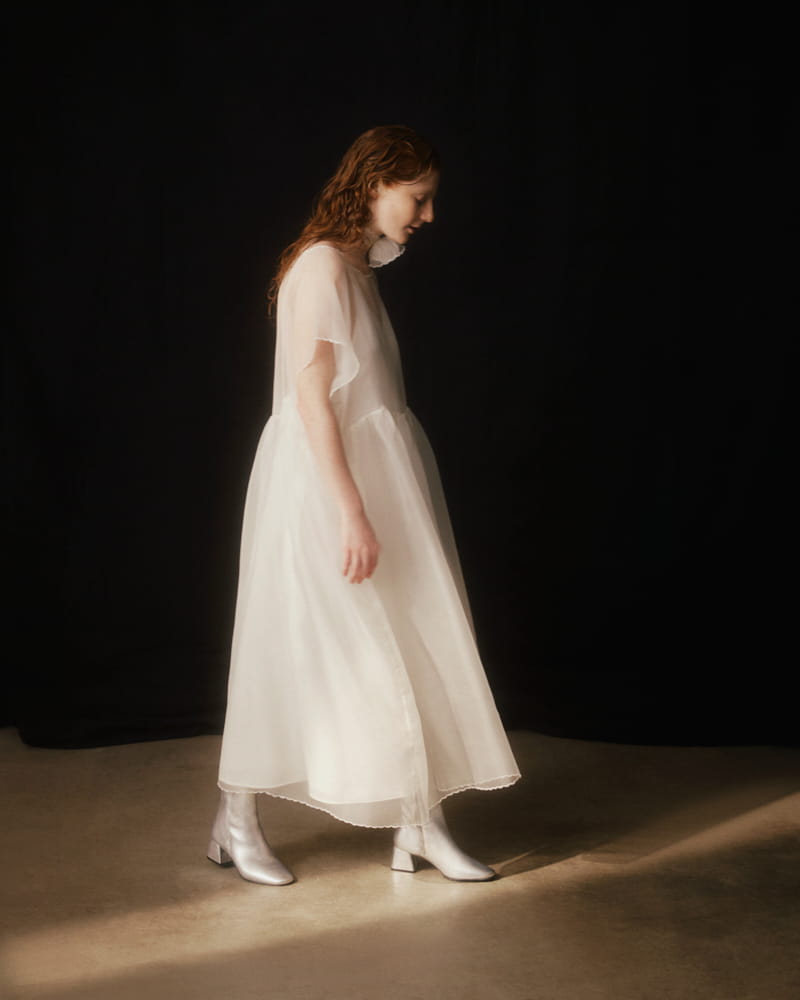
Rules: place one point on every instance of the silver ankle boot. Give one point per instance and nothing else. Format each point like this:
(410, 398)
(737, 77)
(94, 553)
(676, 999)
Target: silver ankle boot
(237, 838)
(433, 842)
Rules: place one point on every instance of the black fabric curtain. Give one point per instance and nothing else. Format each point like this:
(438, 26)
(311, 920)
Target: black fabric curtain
(585, 334)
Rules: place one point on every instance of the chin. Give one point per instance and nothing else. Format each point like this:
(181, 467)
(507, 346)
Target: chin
(399, 236)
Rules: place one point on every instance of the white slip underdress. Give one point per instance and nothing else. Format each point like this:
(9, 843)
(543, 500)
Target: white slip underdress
(366, 700)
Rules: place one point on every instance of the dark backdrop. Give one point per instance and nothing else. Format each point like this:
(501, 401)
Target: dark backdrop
(615, 461)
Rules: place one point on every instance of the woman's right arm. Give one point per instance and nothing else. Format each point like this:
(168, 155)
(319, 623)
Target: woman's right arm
(359, 544)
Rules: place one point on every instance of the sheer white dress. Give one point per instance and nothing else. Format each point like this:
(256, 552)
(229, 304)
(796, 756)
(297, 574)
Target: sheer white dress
(366, 700)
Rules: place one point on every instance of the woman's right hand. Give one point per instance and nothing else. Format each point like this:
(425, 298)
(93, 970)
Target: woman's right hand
(360, 547)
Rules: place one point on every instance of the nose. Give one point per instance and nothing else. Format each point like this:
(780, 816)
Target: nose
(427, 212)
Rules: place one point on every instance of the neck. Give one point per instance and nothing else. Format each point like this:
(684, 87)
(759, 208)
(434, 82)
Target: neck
(361, 249)
(368, 241)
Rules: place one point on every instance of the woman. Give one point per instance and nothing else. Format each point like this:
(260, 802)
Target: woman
(355, 683)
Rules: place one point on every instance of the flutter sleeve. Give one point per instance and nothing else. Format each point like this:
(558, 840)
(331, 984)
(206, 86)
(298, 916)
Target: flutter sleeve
(318, 306)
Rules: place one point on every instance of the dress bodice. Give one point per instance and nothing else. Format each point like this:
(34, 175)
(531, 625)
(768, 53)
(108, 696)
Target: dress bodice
(326, 296)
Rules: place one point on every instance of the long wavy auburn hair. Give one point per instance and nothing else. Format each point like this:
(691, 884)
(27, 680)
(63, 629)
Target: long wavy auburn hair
(388, 154)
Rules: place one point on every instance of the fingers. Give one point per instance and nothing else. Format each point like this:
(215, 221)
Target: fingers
(361, 567)
(360, 548)
(359, 564)
(352, 568)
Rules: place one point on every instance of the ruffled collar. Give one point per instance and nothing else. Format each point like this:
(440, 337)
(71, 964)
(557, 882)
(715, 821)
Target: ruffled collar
(384, 251)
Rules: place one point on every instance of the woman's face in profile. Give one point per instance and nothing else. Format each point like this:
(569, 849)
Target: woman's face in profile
(399, 209)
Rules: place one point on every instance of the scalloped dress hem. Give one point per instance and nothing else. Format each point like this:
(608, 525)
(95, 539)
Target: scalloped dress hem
(504, 781)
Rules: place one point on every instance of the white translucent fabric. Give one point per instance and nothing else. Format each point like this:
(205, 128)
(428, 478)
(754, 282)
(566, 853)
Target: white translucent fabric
(366, 700)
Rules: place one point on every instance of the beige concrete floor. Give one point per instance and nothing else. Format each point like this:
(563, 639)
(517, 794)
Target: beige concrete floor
(628, 873)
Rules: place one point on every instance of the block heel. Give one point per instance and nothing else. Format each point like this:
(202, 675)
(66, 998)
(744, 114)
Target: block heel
(218, 854)
(402, 861)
